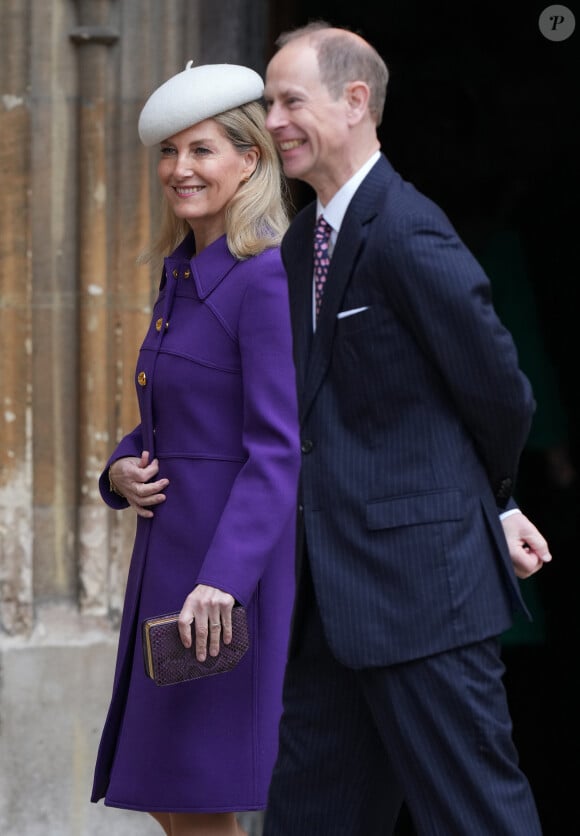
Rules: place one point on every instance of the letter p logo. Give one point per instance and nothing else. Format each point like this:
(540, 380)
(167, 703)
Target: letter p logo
(556, 23)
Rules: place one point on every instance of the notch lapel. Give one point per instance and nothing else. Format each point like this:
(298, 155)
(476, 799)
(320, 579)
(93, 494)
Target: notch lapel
(348, 246)
(312, 353)
(300, 271)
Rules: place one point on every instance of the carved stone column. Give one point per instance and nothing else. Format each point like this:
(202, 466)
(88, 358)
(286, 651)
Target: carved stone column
(94, 37)
(16, 542)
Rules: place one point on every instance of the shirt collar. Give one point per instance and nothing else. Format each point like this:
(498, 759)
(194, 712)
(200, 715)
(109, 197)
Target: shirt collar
(335, 209)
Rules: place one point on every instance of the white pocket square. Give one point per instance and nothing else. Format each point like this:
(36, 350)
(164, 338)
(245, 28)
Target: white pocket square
(352, 311)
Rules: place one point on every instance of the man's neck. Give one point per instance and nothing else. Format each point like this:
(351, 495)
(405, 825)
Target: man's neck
(328, 186)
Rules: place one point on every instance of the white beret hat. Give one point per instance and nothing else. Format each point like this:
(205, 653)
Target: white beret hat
(195, 94)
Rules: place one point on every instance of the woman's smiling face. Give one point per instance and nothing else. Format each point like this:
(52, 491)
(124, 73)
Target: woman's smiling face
(200, 171)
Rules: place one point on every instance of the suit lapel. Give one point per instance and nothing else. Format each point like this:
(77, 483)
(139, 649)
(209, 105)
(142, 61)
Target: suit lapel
(349, 243)
(300, 268)
(312, 353)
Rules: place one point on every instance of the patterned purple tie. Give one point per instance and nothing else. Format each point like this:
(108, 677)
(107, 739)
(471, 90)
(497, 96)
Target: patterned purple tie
(321, 260)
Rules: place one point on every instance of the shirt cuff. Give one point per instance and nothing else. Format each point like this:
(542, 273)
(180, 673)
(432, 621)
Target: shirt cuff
(511, 511)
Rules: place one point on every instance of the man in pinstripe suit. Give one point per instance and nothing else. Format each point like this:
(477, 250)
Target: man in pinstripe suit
(413, 416)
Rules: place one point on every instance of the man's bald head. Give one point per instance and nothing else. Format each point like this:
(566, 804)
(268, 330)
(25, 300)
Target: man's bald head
(344, 57)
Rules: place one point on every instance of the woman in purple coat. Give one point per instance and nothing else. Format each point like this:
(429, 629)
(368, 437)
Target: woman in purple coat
(211, 470)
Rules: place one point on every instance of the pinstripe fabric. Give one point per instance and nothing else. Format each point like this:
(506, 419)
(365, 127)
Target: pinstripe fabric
(466, 781)
(413, 415)
(336, 778)
(354, 743)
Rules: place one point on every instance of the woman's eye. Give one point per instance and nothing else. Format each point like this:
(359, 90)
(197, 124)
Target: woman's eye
(198, 151)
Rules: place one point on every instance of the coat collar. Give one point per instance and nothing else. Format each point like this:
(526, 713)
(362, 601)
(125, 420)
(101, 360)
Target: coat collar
(208, 269)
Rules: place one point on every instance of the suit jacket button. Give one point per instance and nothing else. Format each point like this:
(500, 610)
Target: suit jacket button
(307, 446)
(142, 379)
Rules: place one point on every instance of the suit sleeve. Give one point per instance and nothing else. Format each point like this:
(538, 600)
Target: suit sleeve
(444, 296)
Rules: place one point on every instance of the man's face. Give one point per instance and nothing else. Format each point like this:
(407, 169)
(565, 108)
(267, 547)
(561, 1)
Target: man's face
(309, 127)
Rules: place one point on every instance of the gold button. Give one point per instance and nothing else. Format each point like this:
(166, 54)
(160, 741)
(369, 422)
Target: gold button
(159, 324)
(175, 273)
(187, 274)
(142, 379)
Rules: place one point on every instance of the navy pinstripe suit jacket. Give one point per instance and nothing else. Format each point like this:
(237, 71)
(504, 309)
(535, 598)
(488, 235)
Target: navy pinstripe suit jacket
(413, 413)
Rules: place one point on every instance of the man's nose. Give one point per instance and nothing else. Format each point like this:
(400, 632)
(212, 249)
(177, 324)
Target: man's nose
(273, 117)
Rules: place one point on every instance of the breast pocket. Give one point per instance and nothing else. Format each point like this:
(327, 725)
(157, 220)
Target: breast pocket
(356, 318)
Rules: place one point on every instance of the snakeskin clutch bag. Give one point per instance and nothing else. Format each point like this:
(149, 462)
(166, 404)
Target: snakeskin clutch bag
(167, 661)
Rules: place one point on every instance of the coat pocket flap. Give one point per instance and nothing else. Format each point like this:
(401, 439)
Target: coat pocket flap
(415, 509)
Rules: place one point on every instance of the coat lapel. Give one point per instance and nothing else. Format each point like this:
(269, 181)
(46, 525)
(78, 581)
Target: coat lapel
(350, 243)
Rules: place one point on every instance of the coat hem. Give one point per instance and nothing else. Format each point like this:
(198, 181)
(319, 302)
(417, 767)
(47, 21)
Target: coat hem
(163, 808)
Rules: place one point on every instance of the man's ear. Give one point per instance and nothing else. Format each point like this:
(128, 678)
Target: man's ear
(357, 96)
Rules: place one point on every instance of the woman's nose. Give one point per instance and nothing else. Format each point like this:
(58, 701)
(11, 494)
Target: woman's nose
(183, 165)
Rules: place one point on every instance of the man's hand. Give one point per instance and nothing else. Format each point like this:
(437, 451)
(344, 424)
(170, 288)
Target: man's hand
(528, 549)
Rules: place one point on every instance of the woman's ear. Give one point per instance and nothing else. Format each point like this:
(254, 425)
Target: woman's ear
(251, 158)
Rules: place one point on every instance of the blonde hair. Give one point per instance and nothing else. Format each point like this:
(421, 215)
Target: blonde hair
(257, 215)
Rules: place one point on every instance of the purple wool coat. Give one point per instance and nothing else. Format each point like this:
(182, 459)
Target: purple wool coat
(216, 389)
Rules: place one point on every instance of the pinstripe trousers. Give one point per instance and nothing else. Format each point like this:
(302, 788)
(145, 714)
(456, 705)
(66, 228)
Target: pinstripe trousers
(434, 732)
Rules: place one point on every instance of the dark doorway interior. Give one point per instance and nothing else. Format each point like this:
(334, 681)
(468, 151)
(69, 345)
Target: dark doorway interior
(482, 115)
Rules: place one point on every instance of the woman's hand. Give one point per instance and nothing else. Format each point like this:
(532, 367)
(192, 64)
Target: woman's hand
(131, 477)
(210, 611)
